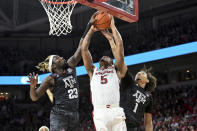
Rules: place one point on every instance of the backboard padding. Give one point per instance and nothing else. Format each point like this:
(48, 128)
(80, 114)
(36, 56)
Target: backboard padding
(118, 11)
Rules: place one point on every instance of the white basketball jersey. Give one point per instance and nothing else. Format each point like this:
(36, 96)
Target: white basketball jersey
(105, 87)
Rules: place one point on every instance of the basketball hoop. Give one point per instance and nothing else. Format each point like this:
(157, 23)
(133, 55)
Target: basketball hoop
(59, 13)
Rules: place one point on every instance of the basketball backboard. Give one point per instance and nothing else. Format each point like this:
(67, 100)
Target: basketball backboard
(126, 10)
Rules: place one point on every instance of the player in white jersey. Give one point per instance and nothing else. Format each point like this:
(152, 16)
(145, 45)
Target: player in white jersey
(104, 81)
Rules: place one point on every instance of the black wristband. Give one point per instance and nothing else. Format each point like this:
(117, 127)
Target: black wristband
(87, 29)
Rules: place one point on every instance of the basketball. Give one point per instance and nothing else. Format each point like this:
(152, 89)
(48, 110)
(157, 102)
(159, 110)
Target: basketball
(103, 21)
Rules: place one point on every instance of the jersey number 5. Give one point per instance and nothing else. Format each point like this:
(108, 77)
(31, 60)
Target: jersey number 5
(103, 79)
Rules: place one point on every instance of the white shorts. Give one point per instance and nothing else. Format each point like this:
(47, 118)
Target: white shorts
(109, 118)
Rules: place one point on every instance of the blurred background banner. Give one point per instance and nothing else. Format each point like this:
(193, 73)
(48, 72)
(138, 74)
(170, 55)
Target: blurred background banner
(129, 60)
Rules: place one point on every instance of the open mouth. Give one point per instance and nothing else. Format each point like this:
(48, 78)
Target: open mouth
(138, 79)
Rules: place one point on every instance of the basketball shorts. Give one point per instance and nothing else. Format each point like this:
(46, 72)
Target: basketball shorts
(64, 120)
(109, 118)
(132, 123)
(130, 128)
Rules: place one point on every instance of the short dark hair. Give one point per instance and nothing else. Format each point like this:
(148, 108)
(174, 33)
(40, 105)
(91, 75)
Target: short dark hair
(111, 60)
(152, 80)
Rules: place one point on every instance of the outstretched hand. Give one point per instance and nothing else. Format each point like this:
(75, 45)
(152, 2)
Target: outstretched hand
(33, 80)
(107, 34)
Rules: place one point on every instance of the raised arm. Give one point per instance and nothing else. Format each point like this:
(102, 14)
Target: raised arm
(86, 56)
(118, 50)
(110, 38)
(36, 93)
(74, 60)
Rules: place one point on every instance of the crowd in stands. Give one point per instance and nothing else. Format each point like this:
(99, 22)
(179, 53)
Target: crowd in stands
(22, 116)
(22, 61)
(175, 109)
(176, 32)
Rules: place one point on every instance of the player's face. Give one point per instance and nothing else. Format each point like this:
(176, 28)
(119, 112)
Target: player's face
(105, 61)
(59, 61)
(141, 77)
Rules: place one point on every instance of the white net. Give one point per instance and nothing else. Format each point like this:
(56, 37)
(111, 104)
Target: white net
(59, 13)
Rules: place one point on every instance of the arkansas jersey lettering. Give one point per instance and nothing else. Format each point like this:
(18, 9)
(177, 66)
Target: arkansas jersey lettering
(104, 72)
(105, 87)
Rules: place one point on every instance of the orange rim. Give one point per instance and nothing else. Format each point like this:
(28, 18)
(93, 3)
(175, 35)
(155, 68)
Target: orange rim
(60, 3)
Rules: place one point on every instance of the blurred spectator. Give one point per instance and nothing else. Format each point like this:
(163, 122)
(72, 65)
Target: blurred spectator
(175, 109)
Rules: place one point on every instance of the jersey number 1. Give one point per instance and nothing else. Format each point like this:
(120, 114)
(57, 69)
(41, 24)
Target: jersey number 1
(103, 79)
(135, 109)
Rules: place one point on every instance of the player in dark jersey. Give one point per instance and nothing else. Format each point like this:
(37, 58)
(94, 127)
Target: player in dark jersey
(136, 99)
(64, 86)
